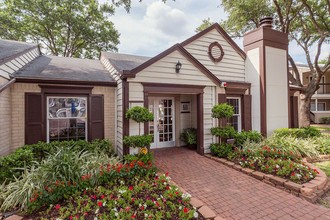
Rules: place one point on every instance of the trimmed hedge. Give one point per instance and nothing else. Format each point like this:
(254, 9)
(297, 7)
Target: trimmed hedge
(304, 133)
(325, 120)
(12, 164)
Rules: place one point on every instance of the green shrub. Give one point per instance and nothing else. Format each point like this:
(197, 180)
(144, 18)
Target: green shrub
(28, 154)
(325, 120)
(307, 132)
(62, 166)
(223, 110)
(322, 144)
(244, 136)
(221, 150)
(189, 136)
(138, 140)
(225, 132)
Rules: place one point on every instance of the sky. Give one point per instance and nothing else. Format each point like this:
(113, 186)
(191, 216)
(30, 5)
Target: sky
(152, 26)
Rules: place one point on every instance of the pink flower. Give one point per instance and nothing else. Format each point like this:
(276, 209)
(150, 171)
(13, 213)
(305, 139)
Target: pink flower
(57, 207)
(70, 217)
(103, 196)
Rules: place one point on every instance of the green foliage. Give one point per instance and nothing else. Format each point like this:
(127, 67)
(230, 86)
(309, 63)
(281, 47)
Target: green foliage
(222, 110)
(64, 28)
(325, 120)
(13, 164)
(61, 166)
(247, 136)
(138, 141)
(147, 197)
(221, 150)
(225, 132)
(307, 132)
(322, 144)
(205, 24)
(139, 114)
(189, 136)
(325, 166)
(145, 158)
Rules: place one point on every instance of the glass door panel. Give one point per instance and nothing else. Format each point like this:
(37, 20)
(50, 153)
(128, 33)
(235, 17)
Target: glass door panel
(163, 130)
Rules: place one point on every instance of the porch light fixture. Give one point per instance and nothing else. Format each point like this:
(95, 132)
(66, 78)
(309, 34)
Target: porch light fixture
(178, 67)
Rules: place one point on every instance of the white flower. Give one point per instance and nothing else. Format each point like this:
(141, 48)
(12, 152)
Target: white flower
(95, 218)
(116, 214)
(145, 215)
(180, 207)
(97, 211)
(121, 191)
(104, 203)
(195, 214)
(277, 166)
(58, 219)
(186, 195)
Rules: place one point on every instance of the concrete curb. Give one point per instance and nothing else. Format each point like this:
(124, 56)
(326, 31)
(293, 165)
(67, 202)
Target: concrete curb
(311, 191)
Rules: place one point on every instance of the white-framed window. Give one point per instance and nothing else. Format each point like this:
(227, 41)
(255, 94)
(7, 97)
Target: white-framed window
(66, 118)
(236, 120)
(321, 106)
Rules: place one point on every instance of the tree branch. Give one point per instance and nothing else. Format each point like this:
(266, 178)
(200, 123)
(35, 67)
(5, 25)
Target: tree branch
(295, 71)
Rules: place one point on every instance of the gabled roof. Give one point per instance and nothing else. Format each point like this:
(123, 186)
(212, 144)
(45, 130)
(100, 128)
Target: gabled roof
(124, 61)
(222, 32)
(53, 68)
(10, 48)
(177, 47)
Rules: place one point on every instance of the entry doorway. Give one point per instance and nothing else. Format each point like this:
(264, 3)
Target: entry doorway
(163, 126)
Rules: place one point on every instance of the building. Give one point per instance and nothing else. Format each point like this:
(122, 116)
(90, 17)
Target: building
(52, 98)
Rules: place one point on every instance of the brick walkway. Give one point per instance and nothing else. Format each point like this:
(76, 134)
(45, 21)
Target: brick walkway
(232, 194)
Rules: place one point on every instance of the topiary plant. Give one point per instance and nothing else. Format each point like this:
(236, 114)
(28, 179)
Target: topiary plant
(139, 114)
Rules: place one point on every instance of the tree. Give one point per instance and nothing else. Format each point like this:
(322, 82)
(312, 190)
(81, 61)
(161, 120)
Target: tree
(69, 28)
(306, 22)
(205, 24)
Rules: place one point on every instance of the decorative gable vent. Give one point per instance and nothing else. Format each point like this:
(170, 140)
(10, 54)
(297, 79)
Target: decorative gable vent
(215, 52)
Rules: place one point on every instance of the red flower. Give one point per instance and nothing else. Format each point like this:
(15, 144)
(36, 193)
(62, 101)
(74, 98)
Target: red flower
(185, 210)
(100, 204)
(130, 188)
(57, 207)
(142, 208)
(176, 192)
(85, 213)
(166, 174)
(102, 196)
(292, 174)
(133, 216)
(77, 216)
(70, 217)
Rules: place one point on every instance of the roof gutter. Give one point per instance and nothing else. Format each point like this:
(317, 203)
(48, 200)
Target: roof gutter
(7, 84)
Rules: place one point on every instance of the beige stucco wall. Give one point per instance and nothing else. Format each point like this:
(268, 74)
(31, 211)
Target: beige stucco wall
(109, 111)
(5, 123)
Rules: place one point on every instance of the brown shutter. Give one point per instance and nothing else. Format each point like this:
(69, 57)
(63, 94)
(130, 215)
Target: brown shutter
(33, 118)
(247, 122)
(96, 118)
(222, 98)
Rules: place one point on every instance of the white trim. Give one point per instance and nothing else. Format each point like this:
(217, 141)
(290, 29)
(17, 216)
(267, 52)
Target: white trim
(239, 116)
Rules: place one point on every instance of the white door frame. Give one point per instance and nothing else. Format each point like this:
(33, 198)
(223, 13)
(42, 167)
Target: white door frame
(157, 142)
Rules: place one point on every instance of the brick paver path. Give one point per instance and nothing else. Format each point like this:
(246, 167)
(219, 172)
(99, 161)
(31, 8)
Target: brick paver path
(230, 193)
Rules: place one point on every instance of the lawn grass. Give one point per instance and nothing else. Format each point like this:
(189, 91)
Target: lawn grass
(325, 166)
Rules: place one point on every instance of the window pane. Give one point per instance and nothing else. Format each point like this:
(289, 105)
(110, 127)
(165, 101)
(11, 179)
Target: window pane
(67, 118)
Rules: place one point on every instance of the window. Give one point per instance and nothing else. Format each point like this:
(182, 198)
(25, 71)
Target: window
(320, 106)
(236, 120)
(66, 118)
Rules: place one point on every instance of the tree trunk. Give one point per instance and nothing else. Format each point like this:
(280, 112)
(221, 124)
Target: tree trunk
(304, 108)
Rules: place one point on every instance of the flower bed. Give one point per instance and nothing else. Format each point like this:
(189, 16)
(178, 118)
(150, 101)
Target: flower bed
(137, 198)
(272, 161)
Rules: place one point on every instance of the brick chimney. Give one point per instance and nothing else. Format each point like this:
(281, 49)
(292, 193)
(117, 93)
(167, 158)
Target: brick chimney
(266, 67)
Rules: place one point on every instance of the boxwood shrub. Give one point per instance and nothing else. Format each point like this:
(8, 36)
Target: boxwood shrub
(307, 132)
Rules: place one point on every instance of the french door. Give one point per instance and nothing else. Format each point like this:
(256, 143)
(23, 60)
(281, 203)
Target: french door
(163, 126)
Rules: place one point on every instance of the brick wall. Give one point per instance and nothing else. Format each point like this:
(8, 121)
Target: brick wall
(109, 110)
(18, 108)
(5, 123)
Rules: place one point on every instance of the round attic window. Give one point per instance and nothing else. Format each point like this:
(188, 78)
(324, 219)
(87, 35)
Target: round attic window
(215, 52)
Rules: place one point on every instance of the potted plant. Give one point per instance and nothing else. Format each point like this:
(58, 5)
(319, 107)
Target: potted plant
(189, 136)
(139, 114)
